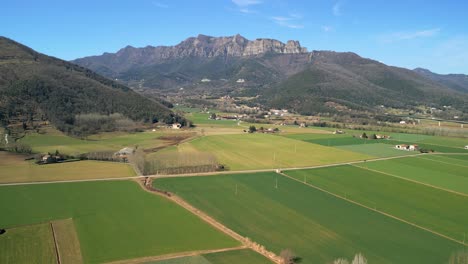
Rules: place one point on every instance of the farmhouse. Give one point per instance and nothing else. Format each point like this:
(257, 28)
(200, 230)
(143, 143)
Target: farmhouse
(338, 132)
(302, 125)
(46, 157)
(176, 126)
(124, 153)
(466, 147)
(382, 136)
(407, 147)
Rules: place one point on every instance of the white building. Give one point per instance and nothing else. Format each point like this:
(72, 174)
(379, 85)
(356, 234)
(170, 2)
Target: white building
(240, 81)
(205, 80)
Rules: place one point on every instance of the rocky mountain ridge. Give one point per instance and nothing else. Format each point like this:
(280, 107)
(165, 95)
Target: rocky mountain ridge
(201, 46)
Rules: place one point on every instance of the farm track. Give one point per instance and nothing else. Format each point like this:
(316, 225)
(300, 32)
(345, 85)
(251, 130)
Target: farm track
(225, 172)
(175, 255)
(413, 181)
(246, 243)
(377, 211)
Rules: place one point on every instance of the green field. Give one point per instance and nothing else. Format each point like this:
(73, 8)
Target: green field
(227, 257)
(203, 120)
(446, 141)
(437, 170)
(13, 168)
(380, 150)
(55, 140)
(349, 135)
(262, 151)
(28, 244)
(439, 144)
(114, 220)
(317, 226)
(403, 199)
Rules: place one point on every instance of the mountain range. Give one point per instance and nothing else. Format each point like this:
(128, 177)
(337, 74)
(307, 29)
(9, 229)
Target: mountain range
(34, 86)
(279, 75)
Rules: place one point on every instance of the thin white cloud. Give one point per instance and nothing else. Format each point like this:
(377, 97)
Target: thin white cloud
(160, 4)
(327, 28)
(243, 3)
(243, 6)
(409, 35)
(247, 11)
(291, 21)
(336, 9)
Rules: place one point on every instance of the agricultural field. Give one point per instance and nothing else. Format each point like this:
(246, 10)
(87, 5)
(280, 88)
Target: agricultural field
(404, 199)
(68, 245)
(15, 169)
(262, 151)
(28, 244)
(279, 212)
(53, 140)
(202, 119)
(443, 171)
(380, 150)
(113, 219)
(446, 141)
(227, 257)
(348, 142)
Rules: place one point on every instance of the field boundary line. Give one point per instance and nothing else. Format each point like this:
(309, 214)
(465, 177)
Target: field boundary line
(156, 176)
(159, 176)
(147, 186)
(70, 181)
(413, 181)
(443, 162)
(376, 210)
(57, 253)
(175, 255)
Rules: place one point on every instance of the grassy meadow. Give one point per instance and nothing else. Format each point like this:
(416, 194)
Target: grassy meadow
(13, 168)
(403, 199)
(28, 244)
(112, 219)
(318, 227)
(262, 151)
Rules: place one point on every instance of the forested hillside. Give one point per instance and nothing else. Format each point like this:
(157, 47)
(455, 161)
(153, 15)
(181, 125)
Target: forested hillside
(34, 86)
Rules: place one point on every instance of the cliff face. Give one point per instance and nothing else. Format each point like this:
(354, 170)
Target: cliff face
(200, 46)
(206, 46)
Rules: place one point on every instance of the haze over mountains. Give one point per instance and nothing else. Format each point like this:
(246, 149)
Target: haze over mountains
(281, 74)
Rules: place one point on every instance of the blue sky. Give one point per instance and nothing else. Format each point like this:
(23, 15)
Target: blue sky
(410, 33)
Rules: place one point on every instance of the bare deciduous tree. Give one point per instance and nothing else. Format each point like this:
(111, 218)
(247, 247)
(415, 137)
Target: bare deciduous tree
(288, 257)
(359, 259)
(341, 261)
(460, 257)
